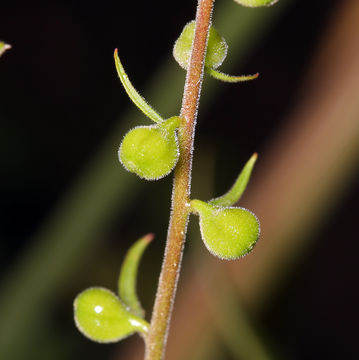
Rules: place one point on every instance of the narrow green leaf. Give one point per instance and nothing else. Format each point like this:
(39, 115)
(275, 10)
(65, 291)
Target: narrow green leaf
(100, 316)
(229, 78)
(138, 100)
(128, 275)
(236, 191)
(4, 47)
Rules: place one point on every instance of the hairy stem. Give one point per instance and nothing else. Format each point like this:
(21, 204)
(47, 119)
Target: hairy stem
(156, 339)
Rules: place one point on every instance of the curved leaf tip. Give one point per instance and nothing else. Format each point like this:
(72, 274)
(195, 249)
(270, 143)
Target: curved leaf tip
(239, 186)
(133, 94)
(230, 78)
(148, 238)
(128, 275)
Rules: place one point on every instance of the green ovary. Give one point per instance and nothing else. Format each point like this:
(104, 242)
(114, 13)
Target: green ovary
(100, 316)
(150, 152)
(228, 233)
(216, 49)
(256, 3)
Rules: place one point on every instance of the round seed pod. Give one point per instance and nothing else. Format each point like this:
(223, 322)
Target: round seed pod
(151, 152)
(100, 316)
(216, 49)
(256, 3)
(228, 233)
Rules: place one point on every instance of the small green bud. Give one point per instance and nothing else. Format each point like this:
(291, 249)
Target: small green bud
(228, 233)
(216, 49)
(100, 316)
(256, 3)
(151, 152)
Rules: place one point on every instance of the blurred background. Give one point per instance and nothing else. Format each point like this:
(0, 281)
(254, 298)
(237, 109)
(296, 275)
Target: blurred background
(69, 211)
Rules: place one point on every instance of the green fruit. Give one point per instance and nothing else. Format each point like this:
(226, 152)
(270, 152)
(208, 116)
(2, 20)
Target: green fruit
(100, 316)
(216, 49)
(256, 3)
(228, 233)
(151, 152)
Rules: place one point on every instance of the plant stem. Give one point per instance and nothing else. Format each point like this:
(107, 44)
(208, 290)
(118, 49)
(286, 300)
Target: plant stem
(156, 339)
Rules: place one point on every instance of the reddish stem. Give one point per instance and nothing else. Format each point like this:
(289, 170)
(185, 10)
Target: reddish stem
(156, 339)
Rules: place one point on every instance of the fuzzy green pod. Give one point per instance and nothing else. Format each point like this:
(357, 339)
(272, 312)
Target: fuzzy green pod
(151, 152)
(100, 316)
(228, 233)
(256, 3)
(215, 55)
(216, 49)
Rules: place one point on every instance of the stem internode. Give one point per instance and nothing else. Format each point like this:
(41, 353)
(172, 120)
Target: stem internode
(157, 336)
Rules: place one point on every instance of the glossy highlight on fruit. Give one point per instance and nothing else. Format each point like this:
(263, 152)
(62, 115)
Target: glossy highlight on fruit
(216, 49)
(151, 152)
(100, 316)
(256, 3)
(228, 233)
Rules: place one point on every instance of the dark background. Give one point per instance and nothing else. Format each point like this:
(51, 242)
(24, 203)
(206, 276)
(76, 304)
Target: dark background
(60, 99)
